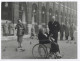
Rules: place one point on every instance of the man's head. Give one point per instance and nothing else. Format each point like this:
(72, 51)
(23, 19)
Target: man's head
(53, 17)
(41, 30)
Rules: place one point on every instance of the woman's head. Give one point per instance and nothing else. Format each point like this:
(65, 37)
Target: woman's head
(41, 30)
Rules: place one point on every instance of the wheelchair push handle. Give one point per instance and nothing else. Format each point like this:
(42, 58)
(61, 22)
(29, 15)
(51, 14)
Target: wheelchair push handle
(51, 39)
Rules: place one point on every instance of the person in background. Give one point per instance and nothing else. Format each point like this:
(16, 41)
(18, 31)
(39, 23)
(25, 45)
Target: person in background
(11, 28)
(67, 31)
(32, 33)
(20, 32)
(72, 31)
(6, 28)
(61, 31)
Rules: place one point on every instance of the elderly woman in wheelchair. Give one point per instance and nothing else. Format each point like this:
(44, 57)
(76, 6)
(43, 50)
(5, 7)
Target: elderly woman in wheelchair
(45, 39)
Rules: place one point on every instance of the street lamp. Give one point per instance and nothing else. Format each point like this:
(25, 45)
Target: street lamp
(43, 12)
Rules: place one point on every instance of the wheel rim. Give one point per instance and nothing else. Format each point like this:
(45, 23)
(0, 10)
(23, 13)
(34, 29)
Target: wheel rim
(40, 51)
(35, 51)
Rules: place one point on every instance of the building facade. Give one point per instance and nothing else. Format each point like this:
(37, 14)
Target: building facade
(38, 14)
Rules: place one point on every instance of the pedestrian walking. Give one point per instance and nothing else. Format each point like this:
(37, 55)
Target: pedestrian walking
(20, 32)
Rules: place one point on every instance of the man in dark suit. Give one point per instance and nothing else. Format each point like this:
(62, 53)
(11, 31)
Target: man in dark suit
(54, 28)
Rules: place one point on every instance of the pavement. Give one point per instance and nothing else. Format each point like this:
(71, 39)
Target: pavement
(68, 48)
(8, 49)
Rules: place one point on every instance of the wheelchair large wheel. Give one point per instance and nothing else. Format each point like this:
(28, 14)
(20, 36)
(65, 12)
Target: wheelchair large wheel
(39, 51)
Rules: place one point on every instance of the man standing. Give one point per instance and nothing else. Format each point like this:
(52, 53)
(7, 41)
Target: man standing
(54, 28)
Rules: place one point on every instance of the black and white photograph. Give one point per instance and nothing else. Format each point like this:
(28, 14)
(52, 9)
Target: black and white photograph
(39, 30)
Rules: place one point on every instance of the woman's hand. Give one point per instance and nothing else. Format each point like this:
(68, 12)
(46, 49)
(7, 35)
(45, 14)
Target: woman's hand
(51, 39)
(45, 35)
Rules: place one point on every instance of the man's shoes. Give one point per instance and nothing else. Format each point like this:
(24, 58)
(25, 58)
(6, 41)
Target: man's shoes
(51, 56)
(58, 55)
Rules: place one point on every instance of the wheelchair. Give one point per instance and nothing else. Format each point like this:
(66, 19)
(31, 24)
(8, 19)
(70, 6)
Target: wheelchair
(42, 51)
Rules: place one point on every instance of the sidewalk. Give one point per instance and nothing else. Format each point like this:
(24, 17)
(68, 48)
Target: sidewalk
(6, 38)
